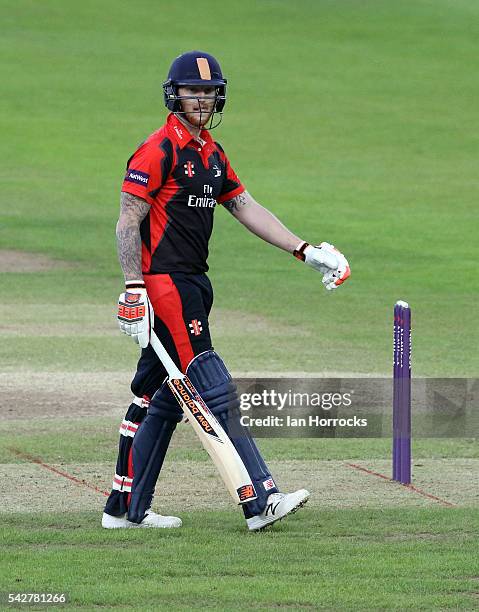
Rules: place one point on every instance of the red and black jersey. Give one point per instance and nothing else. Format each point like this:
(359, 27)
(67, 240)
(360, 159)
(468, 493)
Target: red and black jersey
(182, 179)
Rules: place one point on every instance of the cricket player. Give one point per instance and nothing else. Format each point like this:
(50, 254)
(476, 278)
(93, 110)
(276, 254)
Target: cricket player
(173, 183)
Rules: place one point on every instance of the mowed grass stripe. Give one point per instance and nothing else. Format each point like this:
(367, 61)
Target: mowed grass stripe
(79, 440)
(393, 559)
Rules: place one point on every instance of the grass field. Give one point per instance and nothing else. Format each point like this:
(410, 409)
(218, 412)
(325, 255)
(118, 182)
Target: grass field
(354, 122)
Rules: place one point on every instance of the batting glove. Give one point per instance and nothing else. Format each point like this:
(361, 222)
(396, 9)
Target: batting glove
(135, 313)
(327, 260)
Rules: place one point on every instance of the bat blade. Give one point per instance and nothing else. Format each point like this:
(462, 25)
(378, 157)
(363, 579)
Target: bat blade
(214, 439)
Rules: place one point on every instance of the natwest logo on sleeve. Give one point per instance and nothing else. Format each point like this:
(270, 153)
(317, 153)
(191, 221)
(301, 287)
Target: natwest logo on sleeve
(135, 176)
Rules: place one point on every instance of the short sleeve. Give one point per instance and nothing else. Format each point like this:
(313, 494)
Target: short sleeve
(145, 172)
(231, 184)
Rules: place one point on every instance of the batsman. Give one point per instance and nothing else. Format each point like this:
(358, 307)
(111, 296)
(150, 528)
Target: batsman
(173, 183)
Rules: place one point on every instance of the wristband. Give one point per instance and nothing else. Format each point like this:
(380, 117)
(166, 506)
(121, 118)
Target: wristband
(299, 251)
(134, 284)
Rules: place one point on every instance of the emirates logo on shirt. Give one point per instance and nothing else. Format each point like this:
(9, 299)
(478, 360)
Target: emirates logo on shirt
(195, 327)
(189, 168)
(203, 202)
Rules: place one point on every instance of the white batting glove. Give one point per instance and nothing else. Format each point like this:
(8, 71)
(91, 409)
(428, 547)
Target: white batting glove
(327, 260)
(135, 313)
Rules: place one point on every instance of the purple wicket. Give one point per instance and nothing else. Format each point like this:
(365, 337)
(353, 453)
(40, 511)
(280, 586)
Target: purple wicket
(402, 393)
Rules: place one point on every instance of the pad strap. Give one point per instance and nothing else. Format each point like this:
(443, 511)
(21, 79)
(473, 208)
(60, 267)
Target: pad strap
(122, 483)
(142, 402)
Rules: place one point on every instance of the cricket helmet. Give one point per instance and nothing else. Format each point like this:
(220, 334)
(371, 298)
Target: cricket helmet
(194, 68)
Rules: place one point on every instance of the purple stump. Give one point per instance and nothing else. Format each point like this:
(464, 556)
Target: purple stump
(402, 393)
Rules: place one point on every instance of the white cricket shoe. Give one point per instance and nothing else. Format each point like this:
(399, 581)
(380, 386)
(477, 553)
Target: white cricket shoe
(151, 520)
(277, 507)
(113, 522)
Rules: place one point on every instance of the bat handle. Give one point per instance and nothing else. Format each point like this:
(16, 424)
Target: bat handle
(163, 356)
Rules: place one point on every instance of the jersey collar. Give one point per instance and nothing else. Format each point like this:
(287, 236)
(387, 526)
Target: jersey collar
(179, 132)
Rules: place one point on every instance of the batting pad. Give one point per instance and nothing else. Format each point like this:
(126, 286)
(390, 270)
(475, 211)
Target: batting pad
(117, 503)
(149, 448)
(213, 382)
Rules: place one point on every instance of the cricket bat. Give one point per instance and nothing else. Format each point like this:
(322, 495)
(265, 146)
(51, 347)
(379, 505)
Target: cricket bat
(207, 428)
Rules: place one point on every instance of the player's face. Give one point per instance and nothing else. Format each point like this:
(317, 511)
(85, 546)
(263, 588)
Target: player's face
(199, 107)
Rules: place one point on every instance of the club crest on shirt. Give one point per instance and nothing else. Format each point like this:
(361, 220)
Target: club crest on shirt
(189, 168)
(217, 171)
(195, 327)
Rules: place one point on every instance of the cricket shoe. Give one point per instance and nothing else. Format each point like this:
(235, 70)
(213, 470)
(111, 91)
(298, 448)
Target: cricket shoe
(151, 520)
(277, 507)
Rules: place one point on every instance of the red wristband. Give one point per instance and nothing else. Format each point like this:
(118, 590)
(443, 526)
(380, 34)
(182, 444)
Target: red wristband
(299, 252)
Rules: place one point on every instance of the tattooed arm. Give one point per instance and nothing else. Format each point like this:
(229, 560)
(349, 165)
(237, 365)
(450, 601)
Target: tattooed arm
(132, 212)
(261, 222)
